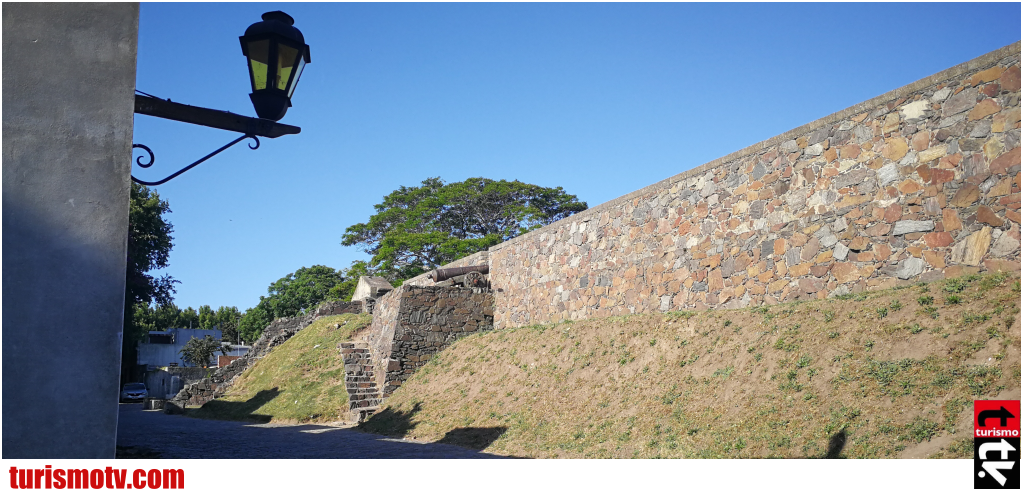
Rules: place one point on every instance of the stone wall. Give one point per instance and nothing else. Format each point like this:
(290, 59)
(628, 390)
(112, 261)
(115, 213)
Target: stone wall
(412, 323)
(917, 184)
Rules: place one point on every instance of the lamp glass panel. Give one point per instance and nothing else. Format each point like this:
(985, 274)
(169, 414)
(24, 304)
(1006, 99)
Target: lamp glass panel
(286, 59)
(259, 59)
(298, 74)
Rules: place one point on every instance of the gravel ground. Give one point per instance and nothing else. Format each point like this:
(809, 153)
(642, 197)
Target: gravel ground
(153, 434)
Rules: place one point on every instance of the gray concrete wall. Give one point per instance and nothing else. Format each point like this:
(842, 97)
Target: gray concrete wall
(68, 85)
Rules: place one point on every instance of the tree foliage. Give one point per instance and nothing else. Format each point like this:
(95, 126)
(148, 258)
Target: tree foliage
(199, 352)
(420, 228)
(291, 295)
(149, 246)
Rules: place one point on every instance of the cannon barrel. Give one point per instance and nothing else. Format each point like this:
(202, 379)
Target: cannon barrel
(451, 272)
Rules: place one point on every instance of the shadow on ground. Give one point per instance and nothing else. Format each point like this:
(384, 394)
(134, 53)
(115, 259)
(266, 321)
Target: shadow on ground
(391, 422)
(244, 411)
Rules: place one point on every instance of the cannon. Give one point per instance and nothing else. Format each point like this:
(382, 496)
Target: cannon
(468, 276)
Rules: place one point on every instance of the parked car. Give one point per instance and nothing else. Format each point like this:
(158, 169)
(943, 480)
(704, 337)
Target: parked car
(134, 392)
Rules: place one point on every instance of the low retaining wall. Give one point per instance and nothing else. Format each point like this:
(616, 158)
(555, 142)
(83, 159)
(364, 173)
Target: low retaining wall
(412, 323)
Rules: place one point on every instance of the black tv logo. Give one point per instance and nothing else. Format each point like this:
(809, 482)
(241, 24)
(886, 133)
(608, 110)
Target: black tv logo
(996, 429)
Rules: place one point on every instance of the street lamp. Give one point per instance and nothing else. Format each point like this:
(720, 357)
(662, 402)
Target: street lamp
(277, 54)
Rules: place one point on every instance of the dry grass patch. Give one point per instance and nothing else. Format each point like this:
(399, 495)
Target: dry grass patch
(880, 374)
(302, 380)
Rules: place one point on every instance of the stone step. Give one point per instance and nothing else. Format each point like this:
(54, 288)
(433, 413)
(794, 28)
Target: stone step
(361, 414)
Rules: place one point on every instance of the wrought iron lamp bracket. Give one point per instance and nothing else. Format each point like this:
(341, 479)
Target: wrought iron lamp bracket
(152, 158)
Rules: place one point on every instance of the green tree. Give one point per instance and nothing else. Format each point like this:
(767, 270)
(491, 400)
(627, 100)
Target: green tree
(207, 318)
(227, 322)
(199, 352)
(149, 246)
(290, 296)
(424, 227)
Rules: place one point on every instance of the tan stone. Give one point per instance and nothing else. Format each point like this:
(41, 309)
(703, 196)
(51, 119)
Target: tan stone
(909, 186)
(957, 271)
(895, 148)
(1006, 161)
(1007, 266)
(971, 250)
(777, 285)
(993, 148)
(988, 75)
(934, 258)
(1010, 79)
(830, 155)
(846, 201)
(987, 216)
(965, 197)
(938, 239)
(1012, 215)
(800, 239)
(983, 109)
(712, 261)
(859, 243)
(779, 246)
(920, 140)
(845, 272)
(859, 118)
(824, 257)
(799, 269)
(932, 153)
(914, 250)
(715, 282)
(950, 220)
(1002, 188)
(891, 123)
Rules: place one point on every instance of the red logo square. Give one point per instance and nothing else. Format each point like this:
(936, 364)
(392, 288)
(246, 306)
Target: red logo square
(996, 418)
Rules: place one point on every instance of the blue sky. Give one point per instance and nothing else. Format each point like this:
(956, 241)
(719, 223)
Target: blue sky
(600, 99)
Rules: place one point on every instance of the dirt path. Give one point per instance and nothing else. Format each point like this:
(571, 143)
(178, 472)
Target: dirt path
(152, 434)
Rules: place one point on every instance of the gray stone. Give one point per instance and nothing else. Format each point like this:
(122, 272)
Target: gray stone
(813, 150)
(951, 120)
(863, 134)
(700, 286)
(963, 101)
(828, 240)
(758, 171)
(910, 267)
(371, 287)
(767, 248)
(819, 135)
(665, 302)
(789, 146)
(792, 256)
(1006, 244)
(888, 174)
(853, 177)
(981, 129)
(912, 226)
(708, 189)
(971, 144)
(841, 251)
(941, 95)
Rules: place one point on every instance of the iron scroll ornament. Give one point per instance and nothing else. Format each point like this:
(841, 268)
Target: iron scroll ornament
(152, 159)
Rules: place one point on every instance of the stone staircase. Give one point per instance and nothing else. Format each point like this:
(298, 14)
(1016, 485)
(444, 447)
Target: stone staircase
(363, 394)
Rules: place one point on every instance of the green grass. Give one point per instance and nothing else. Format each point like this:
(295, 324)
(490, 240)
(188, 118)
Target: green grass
(301, 380)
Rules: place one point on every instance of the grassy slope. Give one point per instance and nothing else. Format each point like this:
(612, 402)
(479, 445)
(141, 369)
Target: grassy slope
(881, 374)
(301, 380)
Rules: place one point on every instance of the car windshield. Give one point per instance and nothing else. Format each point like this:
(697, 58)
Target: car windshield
(134, 387)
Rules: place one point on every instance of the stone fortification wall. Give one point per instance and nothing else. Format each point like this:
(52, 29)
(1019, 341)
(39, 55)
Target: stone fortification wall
(917, 184)
(412, 323)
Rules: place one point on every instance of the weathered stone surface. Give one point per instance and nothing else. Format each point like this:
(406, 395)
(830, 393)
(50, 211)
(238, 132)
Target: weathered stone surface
(841, 251)
(1006, 161)
(932, 153)
(789, 146)
(960, 102)
(950, 220)
(983, 109)
(966, 196)
(1007, 243)
(970, 251)
(915, 111)
(888, 174)
(910, 267)
(938, 239)
(912, 226)
(1010, 79)
(987, 216)
(895, 148)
